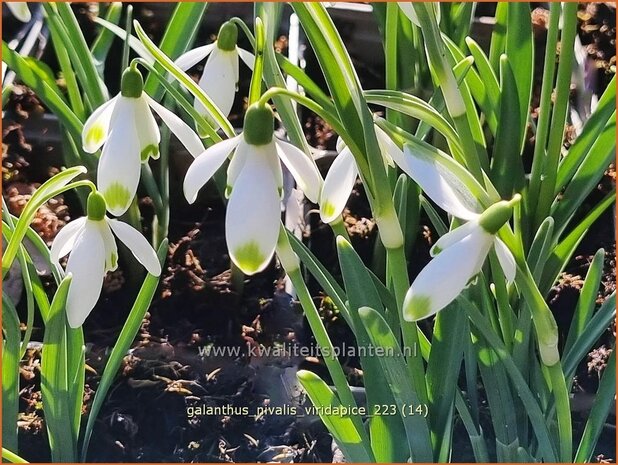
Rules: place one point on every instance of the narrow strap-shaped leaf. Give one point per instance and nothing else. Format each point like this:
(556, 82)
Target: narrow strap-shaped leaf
(587, 299)
(498, 35)
(341, 427)
(604, 399)
(55, 386)
(386, 432)
(491, 86)
(122, 345)
(103, 43)
(10, 372)
(416, 426)
(11, 456)
(541, 247)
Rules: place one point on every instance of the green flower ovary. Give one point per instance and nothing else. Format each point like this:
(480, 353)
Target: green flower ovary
(228, 36)
(96, 206)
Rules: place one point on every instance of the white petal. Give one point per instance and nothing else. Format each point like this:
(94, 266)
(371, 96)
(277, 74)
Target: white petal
(87, 265)
(219, 81)
(302, 168)
(138, 245)
(206, 165)
(147, 131)
(269, 153)
(236, 165)
(179, 128)
(430, 175)
(119, 166)
(20, 10)
(97, 125)
(253, 217)
(388, 147)
(441, 281)
(453, 237)
(111, 250)
(506, 259)
(247, 57)
(65, 239)
(192, 57)
(338, 186)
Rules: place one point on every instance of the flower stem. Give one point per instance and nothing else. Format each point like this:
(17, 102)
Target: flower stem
(255, 90)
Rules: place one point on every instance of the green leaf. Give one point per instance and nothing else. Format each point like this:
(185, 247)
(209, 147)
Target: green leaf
(587, 299)
(604, 400)
(10, 372)
(498, 35)
(520, 53)
(396, 374)
(541, 247)
(341, 427)
(180, 33)
(122, 345)
(50, 188)
(386, 432)
(45, 89)
(103, 43)
(443, 369)
(134, 42)
(11, 457)
(507, 171)
(55, 382)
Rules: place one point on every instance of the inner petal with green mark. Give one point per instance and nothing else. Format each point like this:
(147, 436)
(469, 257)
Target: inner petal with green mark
(419, 307)
(328, 209)
(151, 150)
(117, 196)
(95, 135)
(249, 258)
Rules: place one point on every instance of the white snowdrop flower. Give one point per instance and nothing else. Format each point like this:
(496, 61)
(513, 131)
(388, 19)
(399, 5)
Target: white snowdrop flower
(19, 10)
(90, 240)
(128, 132)
(461, 253)
(342, 174)
(254, 186)
(220, 77)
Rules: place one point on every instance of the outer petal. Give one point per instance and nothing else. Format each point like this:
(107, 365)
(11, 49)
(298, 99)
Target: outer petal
(111, 251)
(138, 245)
(219, 80)
(452, 237)
(253, 217)
(87, 265)
(119, 166)
(181, 130)
(65, 239)
(247, 57)
(302, 168)
(429, 175)
(147, 130)
(205, 166)
(506, 259)
(338, 186)
(441, 281)
(20, 10)
(96, 128)
(236, 165)
(192, 57)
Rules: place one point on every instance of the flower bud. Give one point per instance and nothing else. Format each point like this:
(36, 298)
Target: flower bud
(96, 206)
(228, 36)
(498, 215)
(132, 83)
(259, 125)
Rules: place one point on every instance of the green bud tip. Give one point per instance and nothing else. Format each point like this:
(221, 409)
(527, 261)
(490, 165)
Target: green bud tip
(132, 83)
(228, 36)
(498, 214)
(96, 206)
(259, 124)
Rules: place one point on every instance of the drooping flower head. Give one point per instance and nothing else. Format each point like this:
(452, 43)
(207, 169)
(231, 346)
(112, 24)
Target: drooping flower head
(220, 76)
(461, 253)
(254, 186)
(90, 240)
(128, 132)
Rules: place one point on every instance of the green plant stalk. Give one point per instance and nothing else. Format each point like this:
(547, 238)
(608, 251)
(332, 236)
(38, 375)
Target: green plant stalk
(291, 264)
(559, 114)
(563, 412)
(255, 89)
(125, 46)
(390, 51)
(446, 79)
